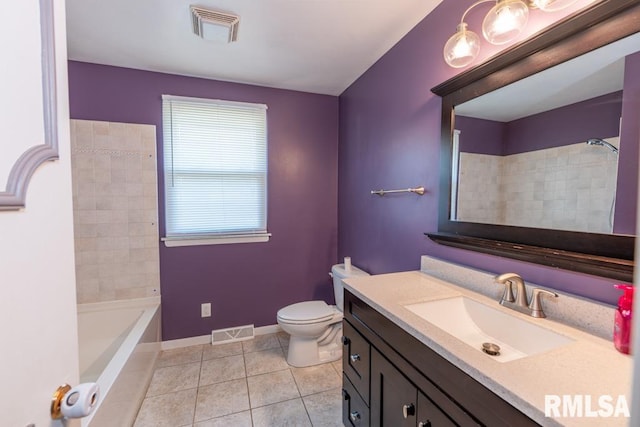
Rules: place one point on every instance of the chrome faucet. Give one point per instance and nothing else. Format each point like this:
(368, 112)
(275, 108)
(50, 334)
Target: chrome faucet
(536, 304)
(520, 302)
(509, 279)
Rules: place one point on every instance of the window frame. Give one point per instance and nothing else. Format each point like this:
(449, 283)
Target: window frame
(196, 239)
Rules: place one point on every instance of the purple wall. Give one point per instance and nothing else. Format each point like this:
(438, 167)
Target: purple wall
(390, 138)
(480, 136)
(594, 118)
(626, 206)
(246, 283)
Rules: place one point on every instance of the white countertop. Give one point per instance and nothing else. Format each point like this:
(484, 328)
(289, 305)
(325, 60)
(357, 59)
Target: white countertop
(590, 366)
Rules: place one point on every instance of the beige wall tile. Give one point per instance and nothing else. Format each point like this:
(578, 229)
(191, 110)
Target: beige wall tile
(119, 175)
(101, 160)
(131, 293)
(111, 162)
(100, 128)
(134, 189)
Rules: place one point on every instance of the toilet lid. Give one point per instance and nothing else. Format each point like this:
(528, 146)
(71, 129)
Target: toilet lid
(306, 311)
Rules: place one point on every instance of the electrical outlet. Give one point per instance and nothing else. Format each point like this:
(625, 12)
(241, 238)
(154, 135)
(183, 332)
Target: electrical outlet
(205, 310)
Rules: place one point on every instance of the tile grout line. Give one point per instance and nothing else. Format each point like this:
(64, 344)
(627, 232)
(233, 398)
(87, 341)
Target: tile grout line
(304, 405)
(195, 403)
(146, 397)
(306, 411)
(246, 381)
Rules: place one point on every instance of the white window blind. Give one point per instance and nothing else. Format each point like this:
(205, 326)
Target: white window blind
(215, 169)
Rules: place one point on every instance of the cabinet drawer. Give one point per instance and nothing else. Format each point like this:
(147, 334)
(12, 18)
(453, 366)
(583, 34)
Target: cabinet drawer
(355, 412)
(356, 359)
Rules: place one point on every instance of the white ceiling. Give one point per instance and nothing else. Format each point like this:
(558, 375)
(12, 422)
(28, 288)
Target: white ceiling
(318, 46)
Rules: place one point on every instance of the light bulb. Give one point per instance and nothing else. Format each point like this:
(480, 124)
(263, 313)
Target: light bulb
(552, 5)
(505, 21)
(462, 47)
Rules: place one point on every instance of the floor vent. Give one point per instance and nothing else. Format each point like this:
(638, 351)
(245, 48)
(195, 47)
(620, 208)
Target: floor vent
(240, 333)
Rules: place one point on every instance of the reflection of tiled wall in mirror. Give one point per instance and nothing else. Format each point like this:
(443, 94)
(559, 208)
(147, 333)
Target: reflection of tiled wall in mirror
(479, 189)
(569, 188)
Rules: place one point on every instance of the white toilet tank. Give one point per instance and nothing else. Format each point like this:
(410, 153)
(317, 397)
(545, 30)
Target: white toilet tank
(338, 272)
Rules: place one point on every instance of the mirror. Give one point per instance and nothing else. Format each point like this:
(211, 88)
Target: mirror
(550, 159)
(530, 95)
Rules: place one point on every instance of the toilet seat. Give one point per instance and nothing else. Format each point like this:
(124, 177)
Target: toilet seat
(307, 312)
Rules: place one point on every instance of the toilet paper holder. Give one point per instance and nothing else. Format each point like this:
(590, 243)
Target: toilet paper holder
(74, 402)
(56, 401)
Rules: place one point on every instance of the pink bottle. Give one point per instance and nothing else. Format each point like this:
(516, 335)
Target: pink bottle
(622, 325)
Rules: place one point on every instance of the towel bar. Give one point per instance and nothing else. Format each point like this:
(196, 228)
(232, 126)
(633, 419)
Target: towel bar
(418, 190)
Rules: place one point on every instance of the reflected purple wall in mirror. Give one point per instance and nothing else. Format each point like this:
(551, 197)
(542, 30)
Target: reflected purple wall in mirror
(627, 192)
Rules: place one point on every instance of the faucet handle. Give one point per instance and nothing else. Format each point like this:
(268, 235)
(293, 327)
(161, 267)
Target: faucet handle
(507, 296)
(536, 303)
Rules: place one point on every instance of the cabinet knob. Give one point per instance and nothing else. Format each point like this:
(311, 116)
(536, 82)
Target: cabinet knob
(354, 357)
(408, 410)
(354, 416)
(424, 423)
(345, 340)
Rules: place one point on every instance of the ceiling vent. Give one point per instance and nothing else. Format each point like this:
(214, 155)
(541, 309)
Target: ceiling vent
(216, 26)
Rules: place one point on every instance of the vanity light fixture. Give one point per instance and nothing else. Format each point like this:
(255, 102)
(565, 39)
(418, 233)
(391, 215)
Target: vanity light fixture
(551, 5)
(504, 22)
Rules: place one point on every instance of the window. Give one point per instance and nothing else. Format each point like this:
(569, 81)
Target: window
(215, 171)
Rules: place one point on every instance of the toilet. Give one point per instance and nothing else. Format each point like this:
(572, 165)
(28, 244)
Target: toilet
(316, 327)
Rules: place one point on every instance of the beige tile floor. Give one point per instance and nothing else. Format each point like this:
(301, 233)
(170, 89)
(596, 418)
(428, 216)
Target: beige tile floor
(241, 384)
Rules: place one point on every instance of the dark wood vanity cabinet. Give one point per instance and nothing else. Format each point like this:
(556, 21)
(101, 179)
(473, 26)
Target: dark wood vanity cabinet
(393, 380)
(397, 402)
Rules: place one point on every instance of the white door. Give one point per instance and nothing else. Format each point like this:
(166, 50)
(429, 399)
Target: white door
(38, 335)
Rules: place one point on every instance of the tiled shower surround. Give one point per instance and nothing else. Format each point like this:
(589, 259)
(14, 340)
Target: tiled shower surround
(115, 210)
(571, 187)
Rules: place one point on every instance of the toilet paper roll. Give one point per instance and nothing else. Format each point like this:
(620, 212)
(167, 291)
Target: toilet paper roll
(347, 264)
(80, 400)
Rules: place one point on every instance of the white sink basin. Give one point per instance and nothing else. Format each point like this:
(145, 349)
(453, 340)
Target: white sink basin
(475, 323)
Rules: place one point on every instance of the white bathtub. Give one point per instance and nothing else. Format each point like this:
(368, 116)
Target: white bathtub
(119, 342)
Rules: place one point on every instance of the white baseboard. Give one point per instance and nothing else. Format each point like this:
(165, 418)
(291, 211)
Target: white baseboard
(269, 329)
(206, 339)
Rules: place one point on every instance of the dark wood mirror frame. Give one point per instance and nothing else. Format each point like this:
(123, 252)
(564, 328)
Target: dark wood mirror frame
(599, 254)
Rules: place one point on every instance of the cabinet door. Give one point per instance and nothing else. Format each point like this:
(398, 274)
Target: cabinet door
(355, 412)
(393, 397)
(429, 415)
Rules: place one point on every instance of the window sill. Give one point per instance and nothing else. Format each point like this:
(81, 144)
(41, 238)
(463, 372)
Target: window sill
(172, 242)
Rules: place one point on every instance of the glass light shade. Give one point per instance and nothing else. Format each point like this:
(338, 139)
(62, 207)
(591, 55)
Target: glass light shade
(505, 21)
(462, 47)
(552, 5)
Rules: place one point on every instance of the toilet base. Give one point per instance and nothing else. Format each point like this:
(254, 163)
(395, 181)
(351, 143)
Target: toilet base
(304, 352)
